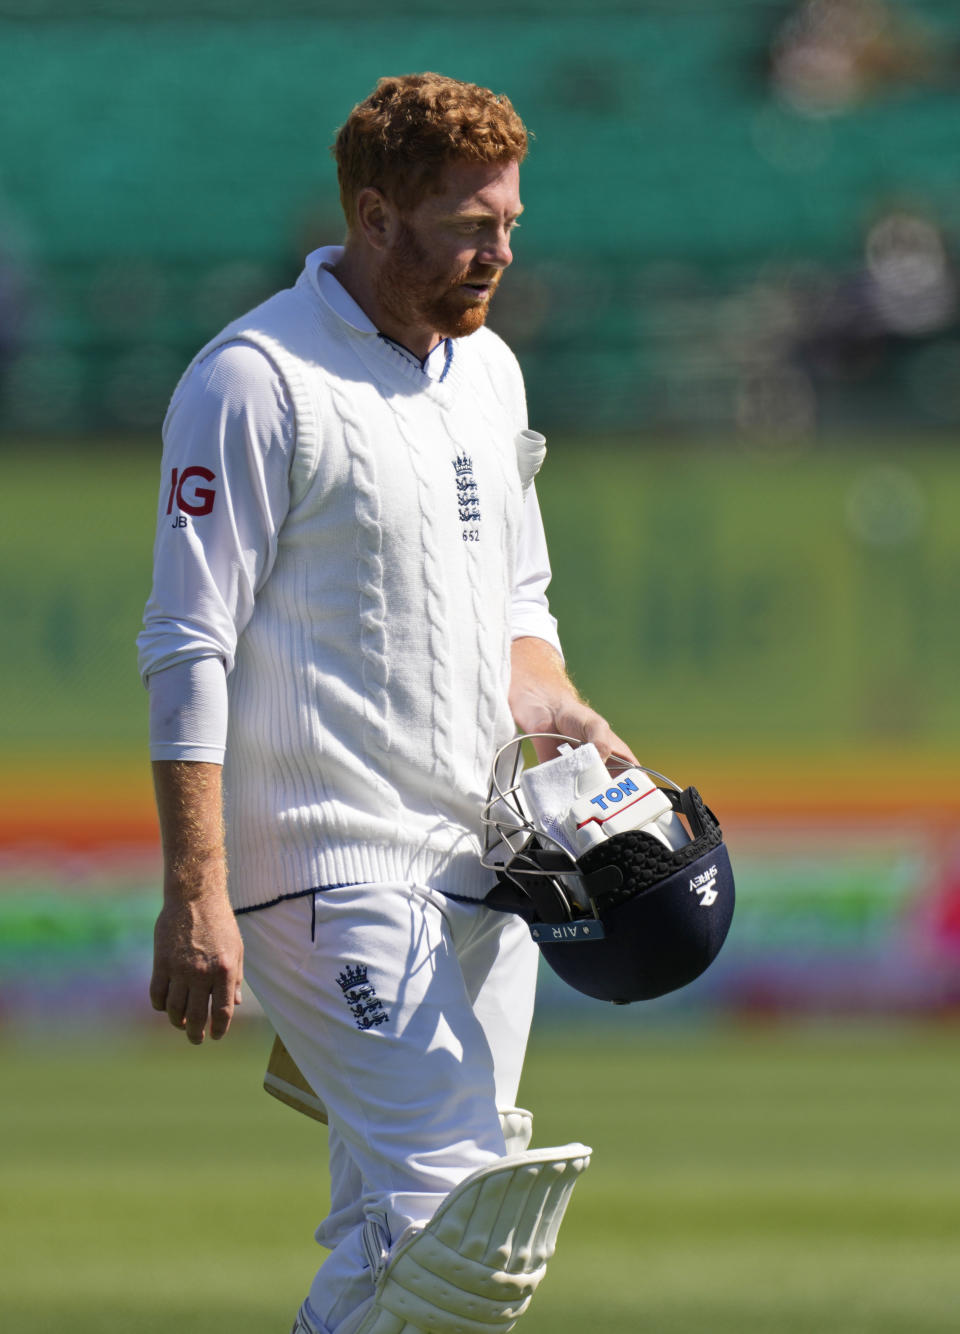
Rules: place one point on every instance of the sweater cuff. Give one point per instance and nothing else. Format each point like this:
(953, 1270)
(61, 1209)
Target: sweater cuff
(534, 621)
(188, 711)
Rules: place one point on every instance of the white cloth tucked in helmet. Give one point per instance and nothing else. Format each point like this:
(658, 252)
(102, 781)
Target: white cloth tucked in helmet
(576, 801)
(549, 790)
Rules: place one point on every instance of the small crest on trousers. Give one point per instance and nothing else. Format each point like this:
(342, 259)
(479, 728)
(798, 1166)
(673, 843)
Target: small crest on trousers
(361, 997)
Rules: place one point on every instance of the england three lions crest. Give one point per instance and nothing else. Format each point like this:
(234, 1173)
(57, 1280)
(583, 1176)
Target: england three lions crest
(361, 997)
(468, 498)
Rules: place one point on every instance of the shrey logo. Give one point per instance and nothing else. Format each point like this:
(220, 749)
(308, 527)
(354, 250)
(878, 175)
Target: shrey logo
(704, 886)
(196, 500)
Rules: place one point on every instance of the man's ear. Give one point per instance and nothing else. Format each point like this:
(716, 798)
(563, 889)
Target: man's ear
(376, 218)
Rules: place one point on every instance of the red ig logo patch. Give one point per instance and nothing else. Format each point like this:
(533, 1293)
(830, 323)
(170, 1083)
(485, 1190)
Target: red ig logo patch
(197, 500)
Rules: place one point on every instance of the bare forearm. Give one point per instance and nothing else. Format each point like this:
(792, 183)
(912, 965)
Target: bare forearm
(535, 662)
(538, 684)
(198, 952)
(544, 699)
(190, 810)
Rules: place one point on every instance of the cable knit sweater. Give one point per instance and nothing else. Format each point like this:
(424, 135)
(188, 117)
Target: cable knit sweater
(368, 690)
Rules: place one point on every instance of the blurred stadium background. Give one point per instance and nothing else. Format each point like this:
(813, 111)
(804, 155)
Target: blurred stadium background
(737, 302)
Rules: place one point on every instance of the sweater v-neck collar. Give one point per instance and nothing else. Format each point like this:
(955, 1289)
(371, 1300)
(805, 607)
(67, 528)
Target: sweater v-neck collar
(381, 354)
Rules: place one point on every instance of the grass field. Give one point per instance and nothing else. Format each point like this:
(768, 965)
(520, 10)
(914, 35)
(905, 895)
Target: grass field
(766, 1181)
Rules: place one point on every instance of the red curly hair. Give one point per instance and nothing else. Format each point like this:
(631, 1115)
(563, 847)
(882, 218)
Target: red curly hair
(400, 138)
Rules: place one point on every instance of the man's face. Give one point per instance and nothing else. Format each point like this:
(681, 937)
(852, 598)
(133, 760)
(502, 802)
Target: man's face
(448, 253)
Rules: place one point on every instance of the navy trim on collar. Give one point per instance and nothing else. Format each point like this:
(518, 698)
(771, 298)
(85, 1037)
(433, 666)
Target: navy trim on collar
(415, 360)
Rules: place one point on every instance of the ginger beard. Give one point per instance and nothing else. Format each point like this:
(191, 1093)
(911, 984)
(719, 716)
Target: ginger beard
(415, 296)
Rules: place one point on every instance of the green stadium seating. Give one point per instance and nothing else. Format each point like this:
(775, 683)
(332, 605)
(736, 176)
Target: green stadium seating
(166, 165)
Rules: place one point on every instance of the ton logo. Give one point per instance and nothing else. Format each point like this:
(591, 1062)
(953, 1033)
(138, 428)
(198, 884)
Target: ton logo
(614, 794)
(197, 500)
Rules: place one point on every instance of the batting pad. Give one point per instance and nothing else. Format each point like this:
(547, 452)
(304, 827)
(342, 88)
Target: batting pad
(475, 1266)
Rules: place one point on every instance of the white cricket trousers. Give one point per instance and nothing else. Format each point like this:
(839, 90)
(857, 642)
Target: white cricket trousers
(408, 1012)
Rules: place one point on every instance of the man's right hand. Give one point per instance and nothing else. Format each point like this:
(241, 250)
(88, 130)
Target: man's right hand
(197, 946)
(197, 965)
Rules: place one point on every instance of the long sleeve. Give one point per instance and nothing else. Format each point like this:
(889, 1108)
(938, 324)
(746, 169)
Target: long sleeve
(531, 612)
(188, 711)
(225, 491)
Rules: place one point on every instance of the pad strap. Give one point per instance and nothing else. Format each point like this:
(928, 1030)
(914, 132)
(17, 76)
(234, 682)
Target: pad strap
(517, 1126)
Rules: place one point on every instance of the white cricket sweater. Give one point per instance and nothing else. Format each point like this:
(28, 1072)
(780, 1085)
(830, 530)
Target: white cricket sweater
(370, 664)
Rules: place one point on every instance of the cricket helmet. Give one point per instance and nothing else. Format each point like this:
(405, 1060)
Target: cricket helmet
(642, 912)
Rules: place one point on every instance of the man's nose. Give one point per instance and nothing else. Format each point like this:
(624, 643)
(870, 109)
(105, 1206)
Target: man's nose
(496, 252)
